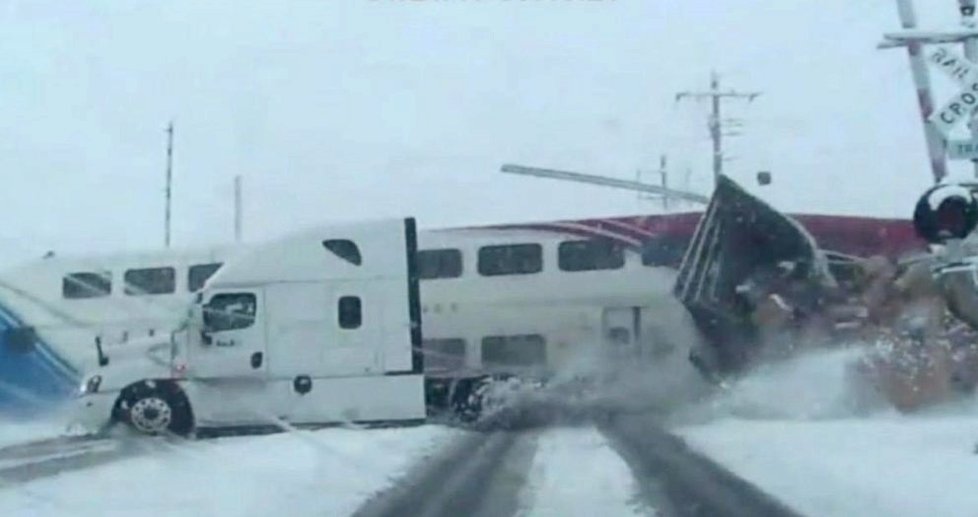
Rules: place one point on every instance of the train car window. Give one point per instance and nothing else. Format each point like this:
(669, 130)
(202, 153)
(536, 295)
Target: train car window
(510, 259)
(198, 274)
(440, 263)
(590, 255)
(517, 350)
(444, 355)
(350, 313)
(664, 250)
(86, 285)
(344, 249)
(619, 336)
(152, 280)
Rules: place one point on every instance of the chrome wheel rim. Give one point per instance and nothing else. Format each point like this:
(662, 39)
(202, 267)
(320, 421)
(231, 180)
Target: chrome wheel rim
(151, 415)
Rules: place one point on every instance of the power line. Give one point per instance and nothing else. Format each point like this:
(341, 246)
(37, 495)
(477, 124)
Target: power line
(716, 123)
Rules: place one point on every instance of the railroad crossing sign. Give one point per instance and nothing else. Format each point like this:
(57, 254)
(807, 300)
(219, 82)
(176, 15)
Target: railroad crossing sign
(964, 104)
(965, 73)
(962, 150)
(962, 70)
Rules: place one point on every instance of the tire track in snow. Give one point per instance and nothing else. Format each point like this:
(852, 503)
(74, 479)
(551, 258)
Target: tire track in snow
(43, 446)
(49, 465)
(693, 485)
(42, 458)
(480, 476)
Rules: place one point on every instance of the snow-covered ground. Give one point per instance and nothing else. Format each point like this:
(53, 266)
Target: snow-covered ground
(326, 472)
(791, 430)
(20, 431)
(869, 467)
(576, 472)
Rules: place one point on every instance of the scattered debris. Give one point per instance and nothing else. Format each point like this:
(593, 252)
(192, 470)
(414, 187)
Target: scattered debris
(760, 289)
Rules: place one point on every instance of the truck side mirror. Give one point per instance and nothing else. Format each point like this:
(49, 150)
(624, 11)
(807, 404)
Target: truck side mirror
(103, 359)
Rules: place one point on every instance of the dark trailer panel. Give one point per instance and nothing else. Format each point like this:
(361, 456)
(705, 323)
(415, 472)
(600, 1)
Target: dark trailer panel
(739, 238)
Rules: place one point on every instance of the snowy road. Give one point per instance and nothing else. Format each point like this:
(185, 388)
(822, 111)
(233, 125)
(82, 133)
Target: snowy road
(327, 472)
(570, 471)
(423, 471)
(791, 430)
(880, 467)
(460, 480)
(13, 432)
(575, 471)
(679, 482)
(39, 459)
(782, 442)
(545, 472)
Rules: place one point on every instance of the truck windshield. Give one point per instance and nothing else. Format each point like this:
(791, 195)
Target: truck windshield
(230, 311)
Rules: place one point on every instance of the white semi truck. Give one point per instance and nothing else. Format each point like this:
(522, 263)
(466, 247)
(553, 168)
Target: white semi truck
(319, 327)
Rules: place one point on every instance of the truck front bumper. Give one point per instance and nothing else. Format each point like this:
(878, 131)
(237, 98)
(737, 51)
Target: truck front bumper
(93, 411)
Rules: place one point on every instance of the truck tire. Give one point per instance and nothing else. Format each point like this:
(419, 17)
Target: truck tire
(465, 404)
(474, 398)
(155, 408)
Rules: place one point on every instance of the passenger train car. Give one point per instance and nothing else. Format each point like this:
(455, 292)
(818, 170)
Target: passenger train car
(506, 298)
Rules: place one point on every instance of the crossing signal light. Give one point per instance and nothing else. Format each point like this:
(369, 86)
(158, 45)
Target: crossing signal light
(946, 212)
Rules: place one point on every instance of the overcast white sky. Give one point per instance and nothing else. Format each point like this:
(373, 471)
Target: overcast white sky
(339, 109)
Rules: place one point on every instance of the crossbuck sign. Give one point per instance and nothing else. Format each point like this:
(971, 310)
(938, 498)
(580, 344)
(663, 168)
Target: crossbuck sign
(965, 73)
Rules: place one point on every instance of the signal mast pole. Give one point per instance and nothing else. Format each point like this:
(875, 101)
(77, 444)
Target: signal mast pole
(967, 10)
(921, 79)
(915, 40)
(716, 123)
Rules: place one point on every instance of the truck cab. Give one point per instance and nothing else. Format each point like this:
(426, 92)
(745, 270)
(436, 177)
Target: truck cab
(315, 328)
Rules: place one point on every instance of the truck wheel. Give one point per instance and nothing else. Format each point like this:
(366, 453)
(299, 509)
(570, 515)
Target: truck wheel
(475, 398)
(463, 401)
(156, 408)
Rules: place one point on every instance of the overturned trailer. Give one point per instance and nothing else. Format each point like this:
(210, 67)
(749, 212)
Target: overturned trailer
(758, 284)
(740, 247)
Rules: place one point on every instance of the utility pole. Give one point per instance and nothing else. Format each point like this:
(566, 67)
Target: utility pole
(716, 123)
(663, 179)
(665, 182)
(237, 209)
(169, 181)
